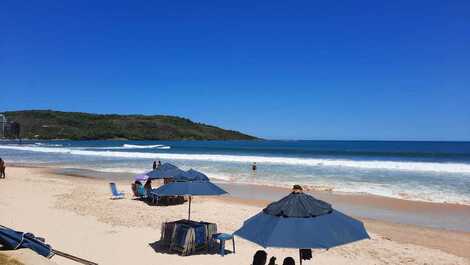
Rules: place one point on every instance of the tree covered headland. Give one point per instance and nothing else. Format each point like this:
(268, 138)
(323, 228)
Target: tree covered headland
(49, 124)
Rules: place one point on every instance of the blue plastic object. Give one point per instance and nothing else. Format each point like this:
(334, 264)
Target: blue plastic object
(116, 194)
(222, 237)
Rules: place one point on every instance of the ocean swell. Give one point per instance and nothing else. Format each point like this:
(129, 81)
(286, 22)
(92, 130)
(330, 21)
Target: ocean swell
(312, 162)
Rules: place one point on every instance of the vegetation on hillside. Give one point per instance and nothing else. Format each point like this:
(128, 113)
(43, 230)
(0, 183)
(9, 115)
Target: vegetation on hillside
(49, 124)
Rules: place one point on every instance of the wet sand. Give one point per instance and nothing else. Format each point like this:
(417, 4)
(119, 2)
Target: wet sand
(433, 215)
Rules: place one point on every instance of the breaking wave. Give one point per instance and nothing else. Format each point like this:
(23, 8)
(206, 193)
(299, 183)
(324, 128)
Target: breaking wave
(313, 162)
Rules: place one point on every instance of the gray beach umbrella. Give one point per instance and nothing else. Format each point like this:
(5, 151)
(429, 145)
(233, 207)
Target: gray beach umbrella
(301, 221)
(189, 188)
(191, 175)
(166, 170)
(13, 240)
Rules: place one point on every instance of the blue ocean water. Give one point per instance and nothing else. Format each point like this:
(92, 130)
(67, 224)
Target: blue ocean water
(428, 171)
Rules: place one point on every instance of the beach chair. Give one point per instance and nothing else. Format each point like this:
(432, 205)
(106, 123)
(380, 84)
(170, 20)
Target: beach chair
(141, 191)
(115, 193)
(201, 242)
(134, 190)
(189, 237)
(183, 240)
(167, 233)
(211, 229)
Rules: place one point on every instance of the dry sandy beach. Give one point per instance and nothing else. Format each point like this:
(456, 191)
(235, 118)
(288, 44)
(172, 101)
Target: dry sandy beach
(75, 215)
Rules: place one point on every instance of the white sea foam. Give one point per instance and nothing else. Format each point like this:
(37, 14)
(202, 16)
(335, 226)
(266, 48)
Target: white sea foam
(133, 146)
(313, 162)
(123, 147)
(414, 193)
(417, 193)
(48, 145)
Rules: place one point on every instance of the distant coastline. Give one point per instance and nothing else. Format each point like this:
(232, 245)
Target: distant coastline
(59, 125)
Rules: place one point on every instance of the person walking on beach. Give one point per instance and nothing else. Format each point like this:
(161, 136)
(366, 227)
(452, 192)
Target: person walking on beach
(253, 167)
(155, 165)
(2, 168)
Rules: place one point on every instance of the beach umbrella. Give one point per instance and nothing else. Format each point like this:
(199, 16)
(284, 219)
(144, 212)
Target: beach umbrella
(189, 188)
(141, 178)
(11, 239)
(301, 221)
(166, 170)
(191, 175)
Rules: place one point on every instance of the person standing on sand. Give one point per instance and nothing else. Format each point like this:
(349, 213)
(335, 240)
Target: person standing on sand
(2, 168)
(253, 167)
(155, 165)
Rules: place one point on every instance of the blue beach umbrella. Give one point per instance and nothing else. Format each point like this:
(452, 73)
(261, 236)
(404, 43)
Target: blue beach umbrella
(191, 175)
(189, 188)
(301, 221)
(11, 239)
(166, 170)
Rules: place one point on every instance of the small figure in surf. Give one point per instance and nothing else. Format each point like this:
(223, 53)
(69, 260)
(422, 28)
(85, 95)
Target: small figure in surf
(253, 167)
(155, 165)
(159, 163)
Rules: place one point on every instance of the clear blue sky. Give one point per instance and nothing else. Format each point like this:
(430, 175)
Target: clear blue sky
(275, 69)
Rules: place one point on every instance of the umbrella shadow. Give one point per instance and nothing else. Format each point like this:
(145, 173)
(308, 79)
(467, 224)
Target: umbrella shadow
(166, 201)
(162, 202)
(162, 248)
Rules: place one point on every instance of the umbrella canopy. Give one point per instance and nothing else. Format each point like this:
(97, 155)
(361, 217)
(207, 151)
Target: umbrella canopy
(12, 239)
(298, 204)
(166, 170)
(141, 178)
(301, 221)
(189, 188)
(191, 175)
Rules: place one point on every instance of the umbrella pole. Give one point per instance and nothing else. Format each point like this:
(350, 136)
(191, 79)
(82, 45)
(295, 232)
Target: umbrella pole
(189, 210)
(77, 259)
(300, 256)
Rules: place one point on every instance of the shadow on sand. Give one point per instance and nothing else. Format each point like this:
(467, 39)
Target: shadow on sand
(158, 247)
(162, 202)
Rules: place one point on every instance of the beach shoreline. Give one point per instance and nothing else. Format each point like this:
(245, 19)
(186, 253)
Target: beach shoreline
(447, 216)
(75, 214)
(421, 171)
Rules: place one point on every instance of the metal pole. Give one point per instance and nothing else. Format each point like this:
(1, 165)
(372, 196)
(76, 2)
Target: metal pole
(77, 259)
(189, 209)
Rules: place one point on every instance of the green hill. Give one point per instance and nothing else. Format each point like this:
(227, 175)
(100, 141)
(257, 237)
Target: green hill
(49, 124)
